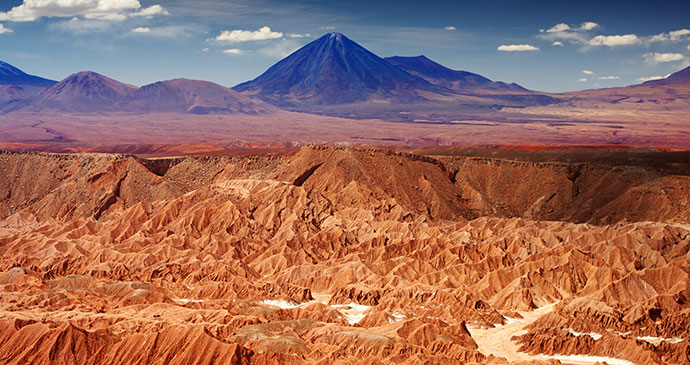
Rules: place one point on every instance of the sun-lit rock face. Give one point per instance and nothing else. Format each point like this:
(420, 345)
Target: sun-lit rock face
(341, 256)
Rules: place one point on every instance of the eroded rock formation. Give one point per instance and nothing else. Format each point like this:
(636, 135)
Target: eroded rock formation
(337, 255)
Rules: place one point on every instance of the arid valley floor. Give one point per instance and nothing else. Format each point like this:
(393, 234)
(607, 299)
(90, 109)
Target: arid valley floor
(346, 255)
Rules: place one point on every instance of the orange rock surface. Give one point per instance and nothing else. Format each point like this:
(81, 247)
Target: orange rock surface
(339, 255)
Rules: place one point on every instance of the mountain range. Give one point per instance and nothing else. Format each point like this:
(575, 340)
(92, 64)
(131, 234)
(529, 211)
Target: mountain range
(89, 92)
(332, 75)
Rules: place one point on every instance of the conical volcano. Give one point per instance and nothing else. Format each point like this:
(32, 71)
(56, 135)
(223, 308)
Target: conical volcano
(335, 70)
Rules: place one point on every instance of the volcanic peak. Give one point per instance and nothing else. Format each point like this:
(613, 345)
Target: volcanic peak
(333, 70)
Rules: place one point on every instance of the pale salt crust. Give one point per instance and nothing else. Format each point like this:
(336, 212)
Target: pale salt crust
(657, 340)
(284, 304)
(352, 312)
(586, 359)
(397, 317)
(593, 335)
(512, 320)
(185, 300)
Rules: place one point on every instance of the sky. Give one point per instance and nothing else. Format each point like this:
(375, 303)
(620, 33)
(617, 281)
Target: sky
(542, 45)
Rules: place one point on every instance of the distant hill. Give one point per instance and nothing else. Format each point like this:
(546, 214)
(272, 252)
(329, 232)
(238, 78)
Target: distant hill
(681, 77)
(191, 96)
(670, 92)
(82, 92)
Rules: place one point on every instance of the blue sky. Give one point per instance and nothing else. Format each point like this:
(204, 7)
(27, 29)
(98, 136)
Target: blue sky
(542, 45)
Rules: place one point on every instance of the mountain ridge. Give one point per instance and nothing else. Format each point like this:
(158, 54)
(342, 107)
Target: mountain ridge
(191, 96)
(440, 75)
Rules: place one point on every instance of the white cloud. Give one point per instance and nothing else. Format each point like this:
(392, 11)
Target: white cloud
(560, 27)
(609, 78)
(237, 35)
(563, 32)
(82, 26)
(517, 48)
(234, 51)
(651, 78)
(557, 43)
(297, 35)
(31, 10)
(280, 49)
(673, 36)
(151, 11)
(4, 30)
(688, 47)
(205, 49)
(654, 57)
(588, 72)
(580, 34)
(173, 31)
(330, 27)
(678, 34)
(614, 40)
(588, 25)
(450, 27)
(582, 80)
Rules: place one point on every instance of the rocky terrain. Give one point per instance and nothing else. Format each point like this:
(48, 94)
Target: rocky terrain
(340, 255)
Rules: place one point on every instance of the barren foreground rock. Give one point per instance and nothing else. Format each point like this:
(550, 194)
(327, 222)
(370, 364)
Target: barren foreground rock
(336, 255)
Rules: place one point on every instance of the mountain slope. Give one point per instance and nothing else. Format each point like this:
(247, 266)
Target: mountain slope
(191, 96)
(17, 86)
(681, 77)
(82, 92)
(459, 81)
(335, 70)
(10, 75)
(670, 92)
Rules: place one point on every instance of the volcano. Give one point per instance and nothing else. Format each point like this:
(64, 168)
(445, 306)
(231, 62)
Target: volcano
(335, 70)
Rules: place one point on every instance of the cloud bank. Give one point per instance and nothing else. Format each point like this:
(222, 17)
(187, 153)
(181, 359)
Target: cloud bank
(614, 40)
(654, 57)
(31, 10)
(238, 35)
(517, 48)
